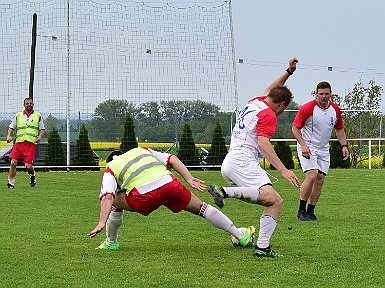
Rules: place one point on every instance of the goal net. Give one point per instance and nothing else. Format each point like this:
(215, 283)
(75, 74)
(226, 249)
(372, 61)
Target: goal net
(89, 52)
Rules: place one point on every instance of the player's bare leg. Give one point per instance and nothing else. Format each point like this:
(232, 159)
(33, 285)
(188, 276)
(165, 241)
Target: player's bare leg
(314, 196)
(12, 174)
(305, 191)
(31, 172)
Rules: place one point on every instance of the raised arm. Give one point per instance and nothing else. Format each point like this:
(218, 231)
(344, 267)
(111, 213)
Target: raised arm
(280, 81)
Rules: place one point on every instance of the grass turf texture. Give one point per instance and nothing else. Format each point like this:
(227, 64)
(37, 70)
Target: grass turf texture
(44, 243)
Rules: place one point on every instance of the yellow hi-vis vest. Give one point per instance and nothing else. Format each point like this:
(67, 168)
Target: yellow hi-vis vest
(135, 168)
(27, 132)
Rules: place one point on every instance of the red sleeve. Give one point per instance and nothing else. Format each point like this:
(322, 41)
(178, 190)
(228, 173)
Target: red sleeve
(303, 114)
(108, 170)
(267, 123)
(339, 123)
(168, 164)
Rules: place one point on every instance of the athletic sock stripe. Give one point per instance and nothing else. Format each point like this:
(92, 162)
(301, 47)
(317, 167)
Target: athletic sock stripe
(203, 209)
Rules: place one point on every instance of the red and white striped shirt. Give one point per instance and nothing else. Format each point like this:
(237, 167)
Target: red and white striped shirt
(317, 124)
(256, 119)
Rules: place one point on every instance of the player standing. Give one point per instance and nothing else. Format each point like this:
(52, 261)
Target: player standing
(30, 129)
(312, 128)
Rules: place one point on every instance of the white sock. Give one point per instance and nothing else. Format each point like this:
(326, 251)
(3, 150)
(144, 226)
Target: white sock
(219, 220)
(115, 220)
(249, 194)
(11, 181)
(266, 229)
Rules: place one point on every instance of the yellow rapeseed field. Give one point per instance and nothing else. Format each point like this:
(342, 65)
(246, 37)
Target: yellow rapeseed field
(115, 145)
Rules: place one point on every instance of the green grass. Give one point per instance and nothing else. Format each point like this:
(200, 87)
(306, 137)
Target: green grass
(44, 244)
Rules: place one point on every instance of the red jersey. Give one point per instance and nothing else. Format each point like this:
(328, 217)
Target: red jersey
(317, 124)
(256, 119)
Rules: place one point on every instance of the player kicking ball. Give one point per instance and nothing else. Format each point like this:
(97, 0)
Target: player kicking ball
(139, 181)
(250, 142)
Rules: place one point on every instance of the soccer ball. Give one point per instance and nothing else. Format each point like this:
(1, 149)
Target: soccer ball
(235, 241)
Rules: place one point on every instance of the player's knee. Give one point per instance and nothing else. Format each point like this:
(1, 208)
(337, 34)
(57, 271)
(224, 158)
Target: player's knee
(278, 200)
(269, 197)
(275, 199)
(320, 180)
(311, 175)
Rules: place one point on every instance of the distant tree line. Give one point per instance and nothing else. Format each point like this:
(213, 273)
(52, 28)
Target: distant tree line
(156, 122)
(165, 121)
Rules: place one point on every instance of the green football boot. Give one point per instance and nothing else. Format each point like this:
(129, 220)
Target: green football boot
(108, 246)
(247, 237)
(266, 252)
(218, 195)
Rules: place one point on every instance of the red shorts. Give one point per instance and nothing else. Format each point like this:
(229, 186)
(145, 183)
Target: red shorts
(173, 195)
(23, 150)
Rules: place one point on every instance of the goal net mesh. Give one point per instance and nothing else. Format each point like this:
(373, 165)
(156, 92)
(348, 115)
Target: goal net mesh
(89, 52)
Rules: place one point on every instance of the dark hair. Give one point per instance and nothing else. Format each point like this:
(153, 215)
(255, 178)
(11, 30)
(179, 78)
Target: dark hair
(281, 94)
(323, 85)
(28, 99)
(112, 154)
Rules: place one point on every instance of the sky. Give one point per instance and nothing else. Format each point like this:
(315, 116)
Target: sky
(347, 35)
(339, 41)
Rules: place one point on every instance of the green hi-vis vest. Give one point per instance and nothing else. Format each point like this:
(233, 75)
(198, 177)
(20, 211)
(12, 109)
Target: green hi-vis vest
(135, 168)
(27, 132)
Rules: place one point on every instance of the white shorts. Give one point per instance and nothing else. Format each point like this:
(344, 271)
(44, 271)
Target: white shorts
(242, 169)
(319, 160)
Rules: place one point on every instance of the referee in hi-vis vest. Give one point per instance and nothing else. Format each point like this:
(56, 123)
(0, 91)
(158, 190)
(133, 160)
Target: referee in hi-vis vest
(30, 129)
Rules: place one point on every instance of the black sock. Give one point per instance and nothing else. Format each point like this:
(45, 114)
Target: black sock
(302, 205)
(267, 249)
(310, 209)
(224, 193)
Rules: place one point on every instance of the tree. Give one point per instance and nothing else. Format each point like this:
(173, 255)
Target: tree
(187, 152)
(218, 148)
(227, 120)
(282, 149)
(162, 133)
(149, 114)
(51, 122)
(336, 157)
(83, 154)
(358, 123)
(383, 160)
(54, 151)
(109, 116)
(128, 139)
(177, 111)
(162, 121)
(285, 121)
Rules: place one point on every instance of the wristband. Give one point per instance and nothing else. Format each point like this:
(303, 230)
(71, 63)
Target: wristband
(345, 145)
(289, 72)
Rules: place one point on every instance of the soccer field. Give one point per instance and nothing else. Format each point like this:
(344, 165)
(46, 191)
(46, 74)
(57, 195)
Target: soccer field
(44, 244)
